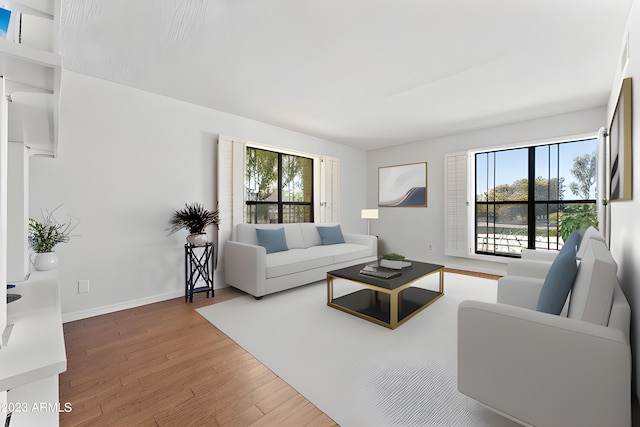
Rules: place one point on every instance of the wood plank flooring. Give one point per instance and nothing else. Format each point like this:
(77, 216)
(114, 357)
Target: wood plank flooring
(163, 364)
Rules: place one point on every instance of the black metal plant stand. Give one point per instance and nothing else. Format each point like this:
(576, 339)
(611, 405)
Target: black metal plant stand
(198, 264)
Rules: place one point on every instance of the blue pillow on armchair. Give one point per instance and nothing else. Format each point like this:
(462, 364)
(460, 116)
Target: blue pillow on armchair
(573, 241)
(558, 282)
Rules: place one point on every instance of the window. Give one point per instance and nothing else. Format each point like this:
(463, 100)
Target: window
(534, 197)
(278, 187)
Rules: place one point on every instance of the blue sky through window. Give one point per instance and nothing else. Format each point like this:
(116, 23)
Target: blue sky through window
(511, 165)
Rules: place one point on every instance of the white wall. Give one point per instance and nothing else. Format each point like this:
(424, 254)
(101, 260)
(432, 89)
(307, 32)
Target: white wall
(409, 231)
(625, 229)
(127, 158)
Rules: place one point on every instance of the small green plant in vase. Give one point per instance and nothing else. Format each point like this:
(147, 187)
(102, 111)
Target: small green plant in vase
(393, 260)
(393, 256)
(45, 236)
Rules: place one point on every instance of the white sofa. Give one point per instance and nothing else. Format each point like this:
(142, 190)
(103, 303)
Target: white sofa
(549, 370)
(249, 267)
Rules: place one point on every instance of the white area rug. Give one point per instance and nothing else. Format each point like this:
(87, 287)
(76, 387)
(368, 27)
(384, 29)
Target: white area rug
(357, 372)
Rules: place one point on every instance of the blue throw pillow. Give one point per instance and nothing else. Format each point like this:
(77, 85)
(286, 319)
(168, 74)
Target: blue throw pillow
(331, 235)
(558, 282)
(272, 240)
(573, 241)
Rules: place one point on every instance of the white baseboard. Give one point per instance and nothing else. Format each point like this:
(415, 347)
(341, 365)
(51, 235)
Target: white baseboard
(97, 311)
(83, 314)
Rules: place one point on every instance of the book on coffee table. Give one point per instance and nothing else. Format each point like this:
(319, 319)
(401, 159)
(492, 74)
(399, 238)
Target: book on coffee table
(380, 272)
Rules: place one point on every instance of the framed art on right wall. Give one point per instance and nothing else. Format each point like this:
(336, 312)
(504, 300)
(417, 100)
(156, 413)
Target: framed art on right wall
(620, 145)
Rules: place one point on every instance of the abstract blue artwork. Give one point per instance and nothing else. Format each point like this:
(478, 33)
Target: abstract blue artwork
(403, 185)
(5, 15)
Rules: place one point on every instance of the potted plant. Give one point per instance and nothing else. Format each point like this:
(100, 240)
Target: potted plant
(195, 218)
(393, 260)
(44, 236)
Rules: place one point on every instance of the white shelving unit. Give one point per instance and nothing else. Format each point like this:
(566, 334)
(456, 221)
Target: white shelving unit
(31, 64)
(30, 70)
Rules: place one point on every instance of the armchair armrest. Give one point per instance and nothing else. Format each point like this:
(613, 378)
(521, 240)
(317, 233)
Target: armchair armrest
(542, 369)
(245, 267)
(519, 291)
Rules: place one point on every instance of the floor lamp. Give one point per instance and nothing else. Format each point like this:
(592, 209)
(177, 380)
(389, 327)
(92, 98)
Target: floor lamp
(369, 214)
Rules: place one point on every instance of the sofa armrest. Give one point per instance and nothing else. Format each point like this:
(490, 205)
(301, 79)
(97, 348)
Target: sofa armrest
(245, 267)
(528, 268)
(363, 239)
(542, 369)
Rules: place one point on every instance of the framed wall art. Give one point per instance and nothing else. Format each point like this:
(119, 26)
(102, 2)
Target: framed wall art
(403, 185)
(620, 145)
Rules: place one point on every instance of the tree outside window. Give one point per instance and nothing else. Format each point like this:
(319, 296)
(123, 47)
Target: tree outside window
(523, 199)
(279, 187)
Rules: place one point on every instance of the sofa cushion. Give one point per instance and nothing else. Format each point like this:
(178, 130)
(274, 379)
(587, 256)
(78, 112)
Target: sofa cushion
(331, 235)
(296, 261)
(246, 233)
(590, 233)
(310, 235)
(558, 282)
(592, 293)
(349, 251)
(272, 240)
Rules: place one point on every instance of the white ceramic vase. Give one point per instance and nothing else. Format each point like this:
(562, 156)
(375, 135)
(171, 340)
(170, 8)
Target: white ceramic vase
(197, 239)
(45, 261)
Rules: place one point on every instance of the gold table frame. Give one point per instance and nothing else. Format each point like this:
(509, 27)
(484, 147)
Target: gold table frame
(395, 295)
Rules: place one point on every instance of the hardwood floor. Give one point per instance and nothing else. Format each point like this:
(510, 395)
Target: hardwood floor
(163, 364)
(473, 273)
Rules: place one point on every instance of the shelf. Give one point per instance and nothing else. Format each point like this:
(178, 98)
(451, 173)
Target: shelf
(32, 69)
(16, 51)
(46, 8)
(32, 121)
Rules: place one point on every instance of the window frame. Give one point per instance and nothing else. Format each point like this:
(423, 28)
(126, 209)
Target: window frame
(280, 203)
(531, 201)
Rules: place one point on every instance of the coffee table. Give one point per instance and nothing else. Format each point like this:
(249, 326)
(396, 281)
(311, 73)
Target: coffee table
(387, 302)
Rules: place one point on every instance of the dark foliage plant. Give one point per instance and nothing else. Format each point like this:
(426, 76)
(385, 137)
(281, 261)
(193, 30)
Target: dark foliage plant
(194, 217)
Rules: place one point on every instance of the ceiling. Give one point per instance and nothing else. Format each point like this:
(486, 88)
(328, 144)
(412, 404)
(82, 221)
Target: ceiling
(366, 73)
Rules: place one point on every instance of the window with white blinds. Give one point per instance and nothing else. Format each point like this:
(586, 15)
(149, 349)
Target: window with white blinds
(456, 204)
(555, 183)
(232, 192)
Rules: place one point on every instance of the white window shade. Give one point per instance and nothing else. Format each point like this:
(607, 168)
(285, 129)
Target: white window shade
(456, 204)
(230, 176)
(329, 190)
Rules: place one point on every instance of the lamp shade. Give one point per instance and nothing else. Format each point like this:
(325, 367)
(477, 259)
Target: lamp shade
(369, 214)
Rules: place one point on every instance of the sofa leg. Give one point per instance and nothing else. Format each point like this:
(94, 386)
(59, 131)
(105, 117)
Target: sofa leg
(258, 298)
